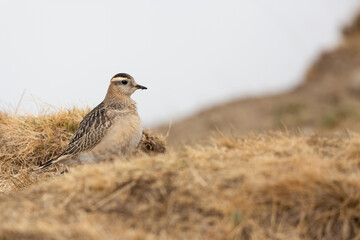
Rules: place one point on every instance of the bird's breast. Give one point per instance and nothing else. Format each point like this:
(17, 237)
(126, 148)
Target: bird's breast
(123, 136)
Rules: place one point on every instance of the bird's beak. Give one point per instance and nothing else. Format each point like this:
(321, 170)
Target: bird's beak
(140, 87)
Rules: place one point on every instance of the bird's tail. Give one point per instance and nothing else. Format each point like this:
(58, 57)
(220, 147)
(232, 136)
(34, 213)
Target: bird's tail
(48, 163)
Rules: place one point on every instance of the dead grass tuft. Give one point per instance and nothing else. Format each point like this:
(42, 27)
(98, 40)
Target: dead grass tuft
(30, 140)
(152, 143)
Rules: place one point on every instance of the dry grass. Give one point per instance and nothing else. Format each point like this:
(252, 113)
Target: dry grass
(269, 186)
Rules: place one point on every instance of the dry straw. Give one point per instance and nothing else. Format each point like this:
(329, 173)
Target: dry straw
(269, 186)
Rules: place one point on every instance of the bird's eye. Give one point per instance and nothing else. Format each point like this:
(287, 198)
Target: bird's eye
(124, 82)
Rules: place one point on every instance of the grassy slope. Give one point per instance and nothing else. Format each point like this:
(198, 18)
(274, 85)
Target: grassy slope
(254, 187)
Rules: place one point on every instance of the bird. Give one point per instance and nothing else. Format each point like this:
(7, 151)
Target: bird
(113, 125)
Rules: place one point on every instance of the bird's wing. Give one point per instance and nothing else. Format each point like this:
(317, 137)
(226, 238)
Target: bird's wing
(90, 132)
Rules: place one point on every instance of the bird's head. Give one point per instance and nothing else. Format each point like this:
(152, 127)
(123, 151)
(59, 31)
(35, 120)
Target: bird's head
(123, 83)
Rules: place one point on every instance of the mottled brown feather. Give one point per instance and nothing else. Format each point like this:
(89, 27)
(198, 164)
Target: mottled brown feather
(90, 132)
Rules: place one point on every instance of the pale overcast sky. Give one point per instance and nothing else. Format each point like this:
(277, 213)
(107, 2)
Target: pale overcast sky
(190, 54)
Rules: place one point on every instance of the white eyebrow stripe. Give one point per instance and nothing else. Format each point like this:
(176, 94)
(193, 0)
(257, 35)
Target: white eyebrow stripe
(118, 79)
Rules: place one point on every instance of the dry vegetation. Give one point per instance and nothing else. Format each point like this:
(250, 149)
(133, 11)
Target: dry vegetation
(268, 186)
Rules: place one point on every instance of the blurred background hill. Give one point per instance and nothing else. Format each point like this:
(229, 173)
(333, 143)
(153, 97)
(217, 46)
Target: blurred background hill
(327, 101)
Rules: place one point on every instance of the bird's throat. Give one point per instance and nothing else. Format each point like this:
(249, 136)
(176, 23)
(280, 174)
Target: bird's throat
(115, 98)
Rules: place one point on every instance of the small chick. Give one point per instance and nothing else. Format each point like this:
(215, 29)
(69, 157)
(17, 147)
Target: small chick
(113, 125)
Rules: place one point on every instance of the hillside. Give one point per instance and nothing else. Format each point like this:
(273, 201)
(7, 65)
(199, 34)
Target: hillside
(269, 186)
(327, 102)
(260, 186)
